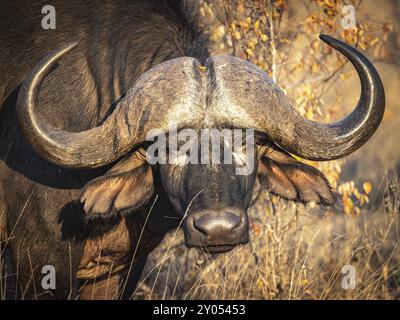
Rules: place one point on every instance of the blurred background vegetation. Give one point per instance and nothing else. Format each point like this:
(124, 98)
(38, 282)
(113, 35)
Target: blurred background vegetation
(297, 251)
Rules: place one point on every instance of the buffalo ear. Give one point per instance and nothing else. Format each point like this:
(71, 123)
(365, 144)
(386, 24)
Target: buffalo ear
(126, 187)
(284, 176)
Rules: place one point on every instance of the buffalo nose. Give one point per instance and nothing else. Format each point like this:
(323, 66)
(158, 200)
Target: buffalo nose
(217, 224)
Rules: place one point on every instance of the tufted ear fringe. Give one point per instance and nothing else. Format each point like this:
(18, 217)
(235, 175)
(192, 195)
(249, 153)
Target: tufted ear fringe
(125, 188)
(284, 176)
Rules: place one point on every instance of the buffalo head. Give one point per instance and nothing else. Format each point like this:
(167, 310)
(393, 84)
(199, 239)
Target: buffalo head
(228, 93)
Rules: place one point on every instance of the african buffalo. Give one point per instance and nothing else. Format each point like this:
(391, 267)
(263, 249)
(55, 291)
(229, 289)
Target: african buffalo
(76, 189)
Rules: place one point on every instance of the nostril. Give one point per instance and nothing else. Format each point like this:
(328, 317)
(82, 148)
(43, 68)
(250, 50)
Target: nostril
(217, 223)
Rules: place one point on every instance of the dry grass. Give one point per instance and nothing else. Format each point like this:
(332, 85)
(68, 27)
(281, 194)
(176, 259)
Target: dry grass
(294, 253)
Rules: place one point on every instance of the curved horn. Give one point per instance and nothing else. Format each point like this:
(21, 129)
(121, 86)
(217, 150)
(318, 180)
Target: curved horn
(284, 125)
(147, 105)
